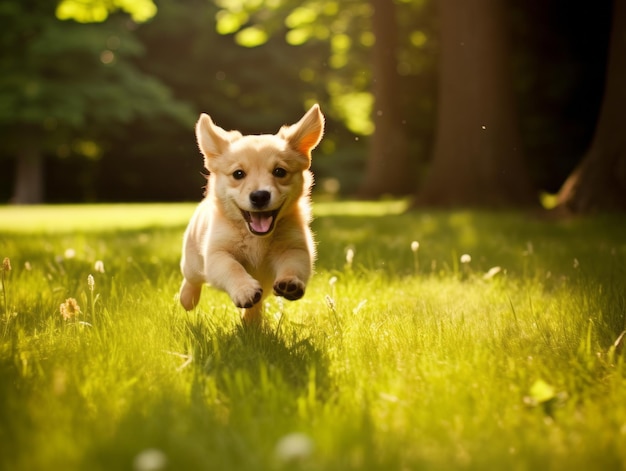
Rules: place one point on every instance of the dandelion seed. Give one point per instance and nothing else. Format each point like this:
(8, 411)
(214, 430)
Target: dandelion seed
(294, 447)
(415, 245)
(99, 266)
(466, 258)
(69, 309)
(360, 306)
(69, 253)
(493, 271)
(333, 281)
(389, 397)
(150, 459)
(90, 282)
(6, 264)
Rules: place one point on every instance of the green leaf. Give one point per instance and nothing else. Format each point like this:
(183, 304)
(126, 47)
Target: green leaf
(96, 11)
(541, 391)
(229, 22)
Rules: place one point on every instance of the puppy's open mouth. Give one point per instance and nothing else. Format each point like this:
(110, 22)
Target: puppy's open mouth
(260, 222)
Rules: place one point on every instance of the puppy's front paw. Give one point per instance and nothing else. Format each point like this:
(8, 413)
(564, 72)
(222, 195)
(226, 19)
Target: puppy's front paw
(289, 288)
(246, 297)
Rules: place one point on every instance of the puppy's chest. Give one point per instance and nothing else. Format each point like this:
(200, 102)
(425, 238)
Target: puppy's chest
(254, 253)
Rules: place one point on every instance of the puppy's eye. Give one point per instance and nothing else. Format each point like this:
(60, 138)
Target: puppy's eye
(279, 172)
(239, 174)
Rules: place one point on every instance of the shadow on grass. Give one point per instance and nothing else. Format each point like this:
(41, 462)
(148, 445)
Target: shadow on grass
(265, 355)
(244, 390)
(12, 417)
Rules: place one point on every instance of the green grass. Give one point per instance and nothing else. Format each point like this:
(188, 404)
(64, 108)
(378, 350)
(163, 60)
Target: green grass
(399, 360)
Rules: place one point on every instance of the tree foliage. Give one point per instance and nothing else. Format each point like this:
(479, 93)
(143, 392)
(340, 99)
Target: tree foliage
(98, 10)
(345, 27)
(354, 82)
(62, 83)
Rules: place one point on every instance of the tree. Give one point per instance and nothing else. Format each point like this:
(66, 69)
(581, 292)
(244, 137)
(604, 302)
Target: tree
(478, 152)
(366, 85)
(599, 181)
(62, 82)
(388, 169)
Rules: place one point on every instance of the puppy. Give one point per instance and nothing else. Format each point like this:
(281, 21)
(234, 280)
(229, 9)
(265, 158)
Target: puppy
(250, 235)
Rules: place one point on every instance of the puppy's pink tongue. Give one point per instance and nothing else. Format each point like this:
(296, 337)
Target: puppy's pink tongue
(261, 222)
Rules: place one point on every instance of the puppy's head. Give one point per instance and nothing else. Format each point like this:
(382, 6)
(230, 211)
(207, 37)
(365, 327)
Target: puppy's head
(256, 179)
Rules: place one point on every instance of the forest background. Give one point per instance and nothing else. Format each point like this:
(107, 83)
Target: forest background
(98, 99)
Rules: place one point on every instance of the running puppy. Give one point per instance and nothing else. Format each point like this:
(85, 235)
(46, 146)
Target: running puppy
(250, 235)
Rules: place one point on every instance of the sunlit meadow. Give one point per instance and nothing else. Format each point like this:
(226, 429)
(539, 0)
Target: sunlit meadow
(426, 340)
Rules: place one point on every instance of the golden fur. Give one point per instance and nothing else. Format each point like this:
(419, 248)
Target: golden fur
(250, 235)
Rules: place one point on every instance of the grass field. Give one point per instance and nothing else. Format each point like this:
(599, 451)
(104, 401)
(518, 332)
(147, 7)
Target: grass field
(494, 343)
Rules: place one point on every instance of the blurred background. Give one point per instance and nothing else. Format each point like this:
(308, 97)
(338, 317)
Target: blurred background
(98, 98)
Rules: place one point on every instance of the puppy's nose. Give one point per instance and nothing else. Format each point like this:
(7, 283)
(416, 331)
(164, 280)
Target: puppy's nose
(260, 198)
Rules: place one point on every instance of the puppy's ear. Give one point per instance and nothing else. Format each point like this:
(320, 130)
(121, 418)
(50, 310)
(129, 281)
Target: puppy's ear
(306, 133)
(212, 139)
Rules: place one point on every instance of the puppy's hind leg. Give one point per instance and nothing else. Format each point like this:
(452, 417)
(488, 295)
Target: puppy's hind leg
(253, 316)
(189, 295)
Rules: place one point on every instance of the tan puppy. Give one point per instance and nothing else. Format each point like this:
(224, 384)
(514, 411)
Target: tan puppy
(250, 234)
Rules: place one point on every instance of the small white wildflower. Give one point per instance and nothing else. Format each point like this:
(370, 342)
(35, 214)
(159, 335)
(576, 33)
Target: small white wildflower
(349, 256)
(415, 246)
(466, 258)
(150, 459)
(91, 282)
(69, 253)
(99, 266)
(294, 447)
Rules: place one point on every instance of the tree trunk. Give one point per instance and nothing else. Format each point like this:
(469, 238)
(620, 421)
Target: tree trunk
(29, 172)
(599, 181)
(388, 168)
(478, 158)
